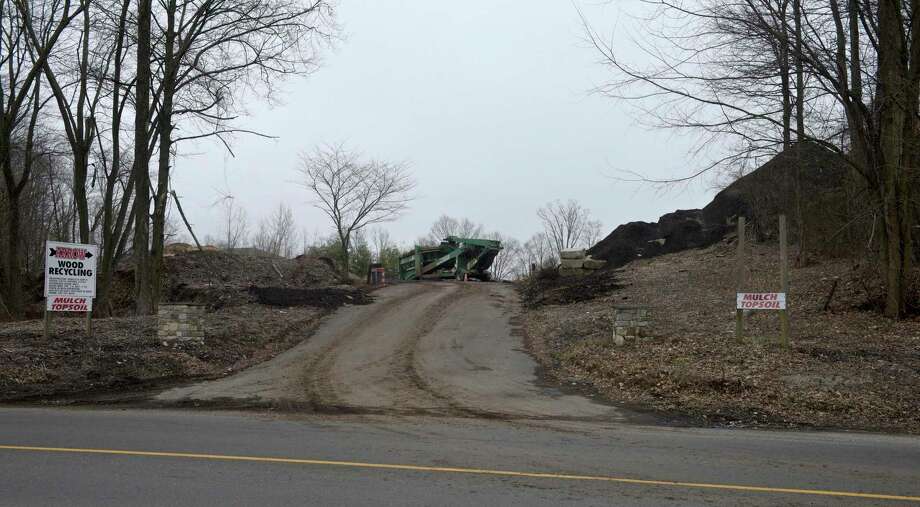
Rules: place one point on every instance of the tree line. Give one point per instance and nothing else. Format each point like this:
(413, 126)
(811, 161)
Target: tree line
(765, 75)
(97, 100)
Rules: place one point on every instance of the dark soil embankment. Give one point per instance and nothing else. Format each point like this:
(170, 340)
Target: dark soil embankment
(817, 195)
(330, 297)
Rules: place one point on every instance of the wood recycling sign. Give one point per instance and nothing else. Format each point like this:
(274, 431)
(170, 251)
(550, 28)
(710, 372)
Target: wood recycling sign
(70, 276)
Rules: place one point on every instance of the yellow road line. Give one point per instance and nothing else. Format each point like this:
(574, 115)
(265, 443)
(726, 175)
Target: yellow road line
(460, 470)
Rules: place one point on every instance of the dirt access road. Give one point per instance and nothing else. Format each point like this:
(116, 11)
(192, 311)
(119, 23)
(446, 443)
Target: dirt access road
(421, 348)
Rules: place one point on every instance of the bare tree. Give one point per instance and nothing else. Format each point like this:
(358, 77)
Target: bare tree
(539, 252)
(355, 193)
(593, 232)
(568, 225)
(446, 226)
(381, 241)
(79, 99)
(277, 234)
(857, 88)
(118, 173)
(20, 102)
(210, 53)
(236, 225)
(504, 264)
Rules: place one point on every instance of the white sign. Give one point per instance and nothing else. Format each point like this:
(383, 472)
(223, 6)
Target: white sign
(761, 301)
(70, 276)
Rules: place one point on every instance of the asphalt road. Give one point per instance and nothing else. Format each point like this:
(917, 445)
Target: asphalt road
(108, 457)
(444, 408)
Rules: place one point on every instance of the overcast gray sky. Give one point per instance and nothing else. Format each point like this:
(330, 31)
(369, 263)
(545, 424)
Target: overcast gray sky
(488, 101)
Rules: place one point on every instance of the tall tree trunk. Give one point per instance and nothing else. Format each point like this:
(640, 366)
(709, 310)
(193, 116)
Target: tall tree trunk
(858, 151)
(13, 295)
(910, 157)
(111, 231)
(892, 101)
(142, 289)
(165, 127)
(784, 71)
(856, 139)
(799, 127)
(80, 173)
(14, 189)
(799, 71)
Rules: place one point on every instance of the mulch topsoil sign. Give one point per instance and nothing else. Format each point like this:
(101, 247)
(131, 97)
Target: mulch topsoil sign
(761, 301)
(70, 276)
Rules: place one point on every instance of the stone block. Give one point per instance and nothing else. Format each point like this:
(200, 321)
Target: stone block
(180, 322)
(590, 263)
(572, 253)
(572, 263)
(571, 272)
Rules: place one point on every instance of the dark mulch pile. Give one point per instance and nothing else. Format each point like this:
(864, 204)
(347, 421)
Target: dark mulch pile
(550, 288)
(327, 297)
(760, 196)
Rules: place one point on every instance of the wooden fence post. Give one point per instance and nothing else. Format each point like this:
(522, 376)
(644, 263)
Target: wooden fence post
(47, 322)
(739, 284)
(784, 281)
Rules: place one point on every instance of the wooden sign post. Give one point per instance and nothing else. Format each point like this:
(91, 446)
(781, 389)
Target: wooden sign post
(739, 285)
(750, 301)
(784, 281)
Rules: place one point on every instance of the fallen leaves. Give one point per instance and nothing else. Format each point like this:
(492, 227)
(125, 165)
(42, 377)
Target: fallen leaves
(846, 369)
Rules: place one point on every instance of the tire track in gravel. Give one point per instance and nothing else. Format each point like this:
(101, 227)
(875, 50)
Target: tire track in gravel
(423, 348)
(370, 366)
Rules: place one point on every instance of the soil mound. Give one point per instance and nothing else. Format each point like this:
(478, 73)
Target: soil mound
(219, 278)
(805, 181)
(329, 297)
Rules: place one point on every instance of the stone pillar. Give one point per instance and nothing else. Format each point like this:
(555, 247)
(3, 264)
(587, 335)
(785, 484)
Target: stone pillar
(180, 321)
(629, 323)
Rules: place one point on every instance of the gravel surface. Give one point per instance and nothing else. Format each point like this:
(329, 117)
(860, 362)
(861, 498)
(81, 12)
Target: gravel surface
(439, 348)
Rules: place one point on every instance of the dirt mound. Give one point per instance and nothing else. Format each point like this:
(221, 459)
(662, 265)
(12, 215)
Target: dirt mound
(219, 278)
(550, 288)
(760, 196)
(331, 297)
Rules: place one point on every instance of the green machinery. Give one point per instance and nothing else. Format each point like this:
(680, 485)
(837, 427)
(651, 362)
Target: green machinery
(455, 257)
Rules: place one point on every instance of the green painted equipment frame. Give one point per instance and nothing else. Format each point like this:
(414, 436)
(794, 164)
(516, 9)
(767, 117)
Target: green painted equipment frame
(456, 258)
